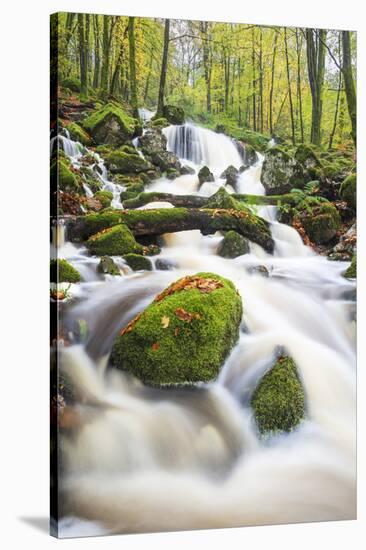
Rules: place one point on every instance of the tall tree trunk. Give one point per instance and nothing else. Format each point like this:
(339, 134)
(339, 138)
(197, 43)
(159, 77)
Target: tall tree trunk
(261, 79)
(299, 93)
(164, 67)
(207, 60)
(272, 83)
(96, 76)
(87, 45)
(349, 82)
(105, 64)
(82, 57)
(315, 49)
(132, 60)
(146, 92)
(289, 89)
(254, 113)
(332, 134)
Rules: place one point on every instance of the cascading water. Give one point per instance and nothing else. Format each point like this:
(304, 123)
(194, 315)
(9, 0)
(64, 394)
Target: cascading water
(142, 459)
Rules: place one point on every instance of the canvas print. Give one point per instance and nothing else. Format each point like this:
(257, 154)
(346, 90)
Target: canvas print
(202, 274)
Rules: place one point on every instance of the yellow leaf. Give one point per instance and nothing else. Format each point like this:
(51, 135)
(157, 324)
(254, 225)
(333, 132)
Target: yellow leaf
(165, 321)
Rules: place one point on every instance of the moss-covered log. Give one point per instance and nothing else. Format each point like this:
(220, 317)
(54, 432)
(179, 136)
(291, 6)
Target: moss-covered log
(171, 220)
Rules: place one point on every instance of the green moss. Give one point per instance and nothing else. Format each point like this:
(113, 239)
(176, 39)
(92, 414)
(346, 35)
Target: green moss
(107, 265)
(222, 199)
(306, 155)
(63, 272)
(107, 112)
(348, 191)
(127, 162)
(321, 221)
(77, 133)
(185, 335)
(62, 173)
(116, 241)
(233, 245)
(278, 401)
(159, 123)
(351, 271)
(104, 197)
(138, 262)
(72, 84)
(173, 114)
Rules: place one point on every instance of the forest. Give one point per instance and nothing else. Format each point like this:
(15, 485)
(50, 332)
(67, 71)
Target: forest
(203, 274)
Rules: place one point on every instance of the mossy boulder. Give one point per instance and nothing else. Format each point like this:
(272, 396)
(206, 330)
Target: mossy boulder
(126, 161)
(233, 245)
(278, 401)
(309, 160)
(104, 197)
(231, 175)
(184, 335)
(159, 123)
(110, 125)
(223, 200)
(320, 221)
(108, 266)
(205, 175)
(137, 262)
(77, 133)
(72, 84)
(351, 271)
(348, 191)
(281, 172)
(115, 241)
(66, 178)
(153, 140)
(173, 114)
(165, 160)
(63, 272)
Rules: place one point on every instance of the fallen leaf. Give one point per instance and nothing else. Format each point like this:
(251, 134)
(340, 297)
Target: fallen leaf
(155, 346)
(165, 321)
(183, 315)
(176, 332)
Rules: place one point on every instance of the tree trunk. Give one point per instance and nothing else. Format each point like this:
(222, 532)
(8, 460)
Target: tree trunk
(105, 64)
(272, 83)
(132, 60)
(96, 76)
(315, 49)
(289, 89)
(82, 57)
(299, 94)
(206, 57)
(164, 67)
(254, 113)
(261, 80)
(349, 82)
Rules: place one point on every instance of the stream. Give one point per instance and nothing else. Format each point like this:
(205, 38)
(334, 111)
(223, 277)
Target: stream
(143, 459)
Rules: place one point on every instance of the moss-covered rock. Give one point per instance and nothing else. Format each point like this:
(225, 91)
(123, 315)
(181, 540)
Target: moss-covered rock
(307, 157)
(205, 175)
(159, 123)
(233, 245)
(115, 241)
(278, 401)
(231, 176)
(110, 125)
(63, 272)
(320, 221)
(185, 335)
(108, 266)
(348, 191)
(351, 271)
(66, 178)
(173, 114)
(153, 140)
(72, 84)
(126, 161)
(104, 197)
(281, 172)
(222, 199)
(165, 160)
(138, 262)
(77, 133)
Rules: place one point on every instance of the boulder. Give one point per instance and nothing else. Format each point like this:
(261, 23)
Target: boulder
(165, 160)
(281, 172)
(115, 241)
(278, 401)
(231, 176)
(62, 173)
(321, 222)
(351, 271)
(153, 140)
(173, 114)
(348, 191)
(164, 264)
(184, 335)
(233, 245)
(137, 262)
(185, 170)
(63, 272)
(107, 265)
(309, 160)
(346, 247)
(111, 125)
(104, 197)
(205, 175)
(126, 161)
(77, 133)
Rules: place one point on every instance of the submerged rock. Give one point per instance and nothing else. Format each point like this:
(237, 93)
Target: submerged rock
(115, 241)
(233, 245)
(278, 401)
(205, 175)
(281, 172)
(185, 170)
(184, 335)
(63, 272)
(258, 270)
(107, 265)
(164, 264)
(137, 262)
(111, 125)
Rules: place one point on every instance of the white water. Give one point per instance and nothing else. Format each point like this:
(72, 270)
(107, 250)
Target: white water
(148, 460)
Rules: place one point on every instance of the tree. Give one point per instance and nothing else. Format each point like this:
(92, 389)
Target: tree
(164, 67)
(82, 57)
(132, 54)
(348, 81)
(272, 82)
(289, 89)
(315, 49)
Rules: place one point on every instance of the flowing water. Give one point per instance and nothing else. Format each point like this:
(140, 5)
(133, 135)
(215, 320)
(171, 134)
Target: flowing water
(140, 459)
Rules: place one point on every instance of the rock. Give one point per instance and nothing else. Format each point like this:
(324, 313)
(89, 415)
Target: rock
(111, 125)
(258, 270)
(247, 152)
(309, 160)
(104, 197)
(184, 335)
(107, 265)
(278, 401)
(185, 170)
(77, 133)
(281, 172)
(153, 140)
(351, 271)
(173, 114)
(231, 176)
(63, 272)
(346, 247)
(321, 222)
(90, 203)
(348, 191)
(205, 175)
(115, 241)
(158, 123)
(62, 174)
(165, 160)
(222, 199)
(165, 265)
(126, 161)
(72, 84)
(138, 262)
(233, 245)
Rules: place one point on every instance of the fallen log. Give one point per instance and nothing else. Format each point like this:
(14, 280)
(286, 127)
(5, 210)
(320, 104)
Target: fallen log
(172, 220)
